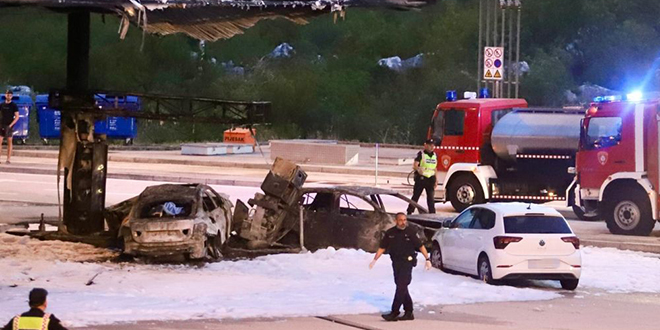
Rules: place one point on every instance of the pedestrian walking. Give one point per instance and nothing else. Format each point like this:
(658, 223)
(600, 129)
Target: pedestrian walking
(425, 167)
(401, 243)
(8, 118)
(36, 318)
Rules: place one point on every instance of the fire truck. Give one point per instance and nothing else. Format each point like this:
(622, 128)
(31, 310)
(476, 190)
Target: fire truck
(618, 164)
(500, 150)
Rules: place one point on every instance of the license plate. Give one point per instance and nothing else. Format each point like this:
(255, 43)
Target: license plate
(543, 264)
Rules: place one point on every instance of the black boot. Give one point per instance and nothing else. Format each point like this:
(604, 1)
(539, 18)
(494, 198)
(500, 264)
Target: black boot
(407, 316)
(392, 316)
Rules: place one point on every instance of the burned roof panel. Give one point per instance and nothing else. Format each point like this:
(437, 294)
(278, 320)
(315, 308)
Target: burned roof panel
(210, 19)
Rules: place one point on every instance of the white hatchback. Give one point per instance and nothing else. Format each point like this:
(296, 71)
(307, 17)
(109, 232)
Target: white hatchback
(502, 241)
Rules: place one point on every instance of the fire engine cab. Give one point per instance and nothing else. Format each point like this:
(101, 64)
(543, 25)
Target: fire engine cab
(618, 164)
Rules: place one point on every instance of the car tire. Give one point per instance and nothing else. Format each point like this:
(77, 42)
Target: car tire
(629, 213)
(484, 270)
(569, 284)
(579, 213)
(436, 257)
(465, 190)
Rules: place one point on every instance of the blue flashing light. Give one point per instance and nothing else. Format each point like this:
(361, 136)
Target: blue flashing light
(635, 96)
(451, 96)
(484, 93)
(607, 98)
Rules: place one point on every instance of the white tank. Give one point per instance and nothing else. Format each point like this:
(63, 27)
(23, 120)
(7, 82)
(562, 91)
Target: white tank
(537, 132)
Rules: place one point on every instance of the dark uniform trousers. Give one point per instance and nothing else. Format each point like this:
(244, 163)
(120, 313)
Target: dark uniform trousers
(424, 184)
(402, 278)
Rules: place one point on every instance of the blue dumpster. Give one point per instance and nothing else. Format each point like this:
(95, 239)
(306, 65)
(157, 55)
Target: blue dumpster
(22, 127)
(118, 127)
(49, 120)
(113, 127)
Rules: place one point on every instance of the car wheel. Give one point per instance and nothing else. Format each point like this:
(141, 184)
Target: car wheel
(629, 213)
(464, 191)
(485, 273)
(436, 256)
(569, 284)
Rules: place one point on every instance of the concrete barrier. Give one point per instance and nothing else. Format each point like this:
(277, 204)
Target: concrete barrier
(315, 151)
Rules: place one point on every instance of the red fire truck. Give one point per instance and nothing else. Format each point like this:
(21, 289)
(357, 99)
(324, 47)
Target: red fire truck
(618, 165)
(500, 150)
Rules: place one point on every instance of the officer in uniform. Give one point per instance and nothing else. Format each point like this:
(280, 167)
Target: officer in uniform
(425, 176)
(36, 318)
(402, 244)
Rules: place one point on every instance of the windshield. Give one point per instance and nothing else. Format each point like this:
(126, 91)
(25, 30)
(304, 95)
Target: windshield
(602, 132)
(536, 224)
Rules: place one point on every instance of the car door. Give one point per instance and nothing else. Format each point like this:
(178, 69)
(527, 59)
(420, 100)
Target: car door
(476, 238)
(320, 214)
(452, 242)
(358, 223)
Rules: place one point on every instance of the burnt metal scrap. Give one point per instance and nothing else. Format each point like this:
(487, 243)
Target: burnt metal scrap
(210, 19)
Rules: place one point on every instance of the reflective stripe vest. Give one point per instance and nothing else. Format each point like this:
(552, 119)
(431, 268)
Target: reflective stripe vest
(31, 322)
(428, 164)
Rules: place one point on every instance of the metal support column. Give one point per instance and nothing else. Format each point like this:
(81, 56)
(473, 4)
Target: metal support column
(82, 155)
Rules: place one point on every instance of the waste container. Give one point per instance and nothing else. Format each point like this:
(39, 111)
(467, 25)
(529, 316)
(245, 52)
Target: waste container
(118, 127)
(49, 119)
(22, 127)
(113, 127)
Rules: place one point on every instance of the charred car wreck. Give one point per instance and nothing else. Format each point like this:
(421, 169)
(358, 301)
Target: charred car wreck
(191, 220)
(342, 217)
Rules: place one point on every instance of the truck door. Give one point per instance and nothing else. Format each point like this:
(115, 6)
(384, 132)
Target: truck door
(608, 146)
(459, 142)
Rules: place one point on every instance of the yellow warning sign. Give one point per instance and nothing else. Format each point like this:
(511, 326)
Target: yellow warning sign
(497, 74)
(488, 74)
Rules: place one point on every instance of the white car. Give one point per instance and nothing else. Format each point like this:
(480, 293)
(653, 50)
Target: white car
(502, 241)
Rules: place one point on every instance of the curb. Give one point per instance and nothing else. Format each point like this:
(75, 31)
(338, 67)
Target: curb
(637, 247)
(306, 167)
(142, 177)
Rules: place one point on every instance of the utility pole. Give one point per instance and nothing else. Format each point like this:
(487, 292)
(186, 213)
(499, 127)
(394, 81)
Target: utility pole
(499, 26)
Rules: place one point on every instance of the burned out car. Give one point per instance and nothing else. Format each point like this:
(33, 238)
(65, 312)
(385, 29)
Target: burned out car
(177, 219)
(286, 215)
(357, 217)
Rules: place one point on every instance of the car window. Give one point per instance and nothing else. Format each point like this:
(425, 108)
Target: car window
(536, 224)
(319, 202)
(483, 219)
(169, 208)
(392, 203)
(464, 219)
(350, 204)
(209, 202)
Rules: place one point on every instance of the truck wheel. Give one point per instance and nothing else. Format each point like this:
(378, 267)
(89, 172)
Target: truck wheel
(464, 191)
(629, 213)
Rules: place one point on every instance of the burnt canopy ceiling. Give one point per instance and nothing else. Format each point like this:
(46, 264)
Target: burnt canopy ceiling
(212, 19)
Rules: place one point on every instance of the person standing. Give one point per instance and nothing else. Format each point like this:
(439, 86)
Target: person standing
(36, 318)
(425, 167)
(8, 118)
(401, 242)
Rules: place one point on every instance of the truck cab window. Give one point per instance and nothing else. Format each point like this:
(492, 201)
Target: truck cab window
(454, 122)
(437, 125)
(602, 132)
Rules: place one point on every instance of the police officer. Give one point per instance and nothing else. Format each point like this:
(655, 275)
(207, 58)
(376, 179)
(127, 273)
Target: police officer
(425, 176)
(36, 318)
(401, 242)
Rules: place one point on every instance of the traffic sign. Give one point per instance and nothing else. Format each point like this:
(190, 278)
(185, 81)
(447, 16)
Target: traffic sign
(493, 63)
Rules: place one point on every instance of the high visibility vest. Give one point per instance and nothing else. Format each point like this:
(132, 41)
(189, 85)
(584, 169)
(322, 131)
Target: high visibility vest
(428, 164)
(31, 322)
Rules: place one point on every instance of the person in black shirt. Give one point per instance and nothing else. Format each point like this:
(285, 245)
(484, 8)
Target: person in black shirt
(8, 118)
(401, 242)
(425, 176)
(36, 318)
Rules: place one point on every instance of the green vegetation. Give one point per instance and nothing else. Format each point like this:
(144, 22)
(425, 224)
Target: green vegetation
(332, 87)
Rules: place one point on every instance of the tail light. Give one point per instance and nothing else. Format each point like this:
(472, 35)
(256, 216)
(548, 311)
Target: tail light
(502, 241)
(573, 240)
